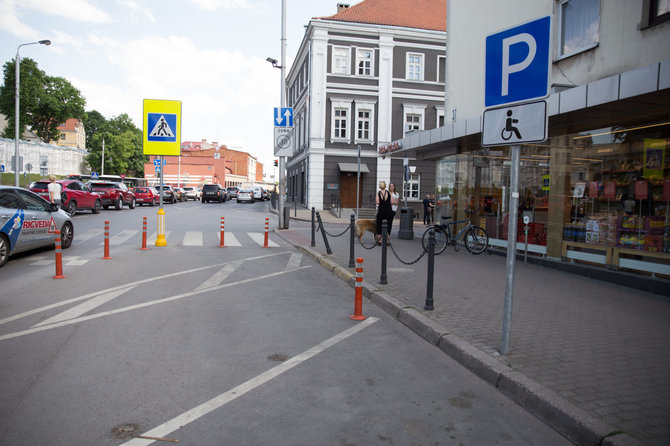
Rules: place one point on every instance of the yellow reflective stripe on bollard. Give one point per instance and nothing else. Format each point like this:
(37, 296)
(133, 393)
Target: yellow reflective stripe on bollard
(160, 238)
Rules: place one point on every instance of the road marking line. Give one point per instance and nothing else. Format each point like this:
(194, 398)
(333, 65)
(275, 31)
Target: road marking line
(294, 260)
(219, 276)
(192, 238)
(142, 305)
(228, 238)
(139, 282)
(121, 237)
(217, 402)
(84, 308)
(154, 235)
(259, 238)
(88, 235)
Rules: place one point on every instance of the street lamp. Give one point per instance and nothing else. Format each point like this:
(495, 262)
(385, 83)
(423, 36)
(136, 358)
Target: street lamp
(16, 109)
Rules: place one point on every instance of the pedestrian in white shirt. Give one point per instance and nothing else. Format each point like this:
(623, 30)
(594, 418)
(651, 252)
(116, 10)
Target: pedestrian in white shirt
(54, 190)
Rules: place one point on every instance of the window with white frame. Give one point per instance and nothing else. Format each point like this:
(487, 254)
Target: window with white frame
(340, 120)
(579, 26)
(364, 62)
(440, 117)
(340, 126)
(340, 60)
(412, 187)
(412, 122)
(413, 117)
(414, 66)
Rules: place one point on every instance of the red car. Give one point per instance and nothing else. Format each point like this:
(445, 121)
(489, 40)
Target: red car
(113, 194)
(75, 195)
(146, 195)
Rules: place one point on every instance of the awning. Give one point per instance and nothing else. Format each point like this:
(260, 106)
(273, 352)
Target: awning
(353, 167)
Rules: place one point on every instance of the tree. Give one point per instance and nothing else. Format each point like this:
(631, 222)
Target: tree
(30, 90)
(59, 101)
(94, 122)
(123, 146)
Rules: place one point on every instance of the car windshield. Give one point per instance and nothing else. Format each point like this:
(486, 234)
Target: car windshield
(39, 185)
(103, 185)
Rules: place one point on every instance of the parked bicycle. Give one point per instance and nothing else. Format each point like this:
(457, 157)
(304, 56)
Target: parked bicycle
(475, 238)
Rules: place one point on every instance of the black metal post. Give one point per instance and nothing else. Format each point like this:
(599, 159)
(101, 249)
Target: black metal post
(295, 207)
(323, 233)
(352, 234)
(383, 280)
(313, 244)
(431, 268)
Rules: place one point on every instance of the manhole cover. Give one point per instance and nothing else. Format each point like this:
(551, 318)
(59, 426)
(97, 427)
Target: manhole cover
(278, 357)
(125, 430)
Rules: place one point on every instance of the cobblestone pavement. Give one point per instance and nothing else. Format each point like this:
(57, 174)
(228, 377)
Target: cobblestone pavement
(602, 347)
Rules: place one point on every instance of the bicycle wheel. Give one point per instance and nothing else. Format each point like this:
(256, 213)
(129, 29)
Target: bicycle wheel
(476, 240)
(440, 239)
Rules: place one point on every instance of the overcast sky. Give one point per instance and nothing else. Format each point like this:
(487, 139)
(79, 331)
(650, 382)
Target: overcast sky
(209, 54)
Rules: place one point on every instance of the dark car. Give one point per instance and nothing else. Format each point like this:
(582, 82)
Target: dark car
(213, 192)
(146, 195)
(168, 194)
(113, 194)
(75, 195)
(28, 221)
(232, 192)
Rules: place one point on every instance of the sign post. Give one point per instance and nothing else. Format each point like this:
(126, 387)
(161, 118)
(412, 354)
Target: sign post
(283, 144)
(161, 136)
(518, 67)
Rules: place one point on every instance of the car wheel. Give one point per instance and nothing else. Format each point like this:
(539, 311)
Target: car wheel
(66, 235)
(118, 204)
(97, 206)
(71, 207)
(4, 249)
(132, 204)
(105, 206)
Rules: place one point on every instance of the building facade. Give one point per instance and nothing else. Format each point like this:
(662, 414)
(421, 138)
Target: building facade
(598, 189)
(363, 78)
(72, 134)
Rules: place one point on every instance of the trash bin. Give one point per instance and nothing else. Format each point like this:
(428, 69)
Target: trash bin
(406, 231)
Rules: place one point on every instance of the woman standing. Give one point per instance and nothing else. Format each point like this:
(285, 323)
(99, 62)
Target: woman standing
(384, 211)
(395, 199)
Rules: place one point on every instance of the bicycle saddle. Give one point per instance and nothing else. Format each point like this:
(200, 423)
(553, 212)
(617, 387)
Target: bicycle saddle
(445, 217)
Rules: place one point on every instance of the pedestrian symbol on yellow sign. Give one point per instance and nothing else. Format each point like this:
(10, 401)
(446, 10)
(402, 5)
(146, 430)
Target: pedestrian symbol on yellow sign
(162, 128)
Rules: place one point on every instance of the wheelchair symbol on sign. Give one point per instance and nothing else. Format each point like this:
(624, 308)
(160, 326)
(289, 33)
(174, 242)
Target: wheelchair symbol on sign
(510, 129)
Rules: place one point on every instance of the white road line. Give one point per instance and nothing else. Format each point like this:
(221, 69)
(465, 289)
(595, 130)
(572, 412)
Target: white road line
(142, 305)
(84, 308)
(121, 237)
(139, 282)
(154, 235)
(229, 239)
(219, 276)
(87, 235)
(259, 238)
(294, 260)
(192, 238)
(219, 401)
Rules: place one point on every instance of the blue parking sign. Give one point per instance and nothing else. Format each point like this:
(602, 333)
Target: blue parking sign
(518, 62)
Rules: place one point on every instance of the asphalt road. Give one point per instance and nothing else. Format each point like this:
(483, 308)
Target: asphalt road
(212, 346)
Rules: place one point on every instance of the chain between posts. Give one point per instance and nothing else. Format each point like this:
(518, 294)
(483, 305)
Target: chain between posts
(423, 253)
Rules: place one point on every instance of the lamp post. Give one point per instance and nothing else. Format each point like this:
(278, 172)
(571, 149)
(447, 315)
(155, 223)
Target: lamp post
(16, 108)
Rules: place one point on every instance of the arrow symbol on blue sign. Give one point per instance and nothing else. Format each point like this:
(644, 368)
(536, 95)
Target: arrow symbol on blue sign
(283, 117)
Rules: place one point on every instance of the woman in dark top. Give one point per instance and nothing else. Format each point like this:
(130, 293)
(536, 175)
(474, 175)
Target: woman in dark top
(384, 210)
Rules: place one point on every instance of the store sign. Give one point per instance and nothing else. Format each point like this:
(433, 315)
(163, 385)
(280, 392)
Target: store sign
(546, 182)
(383, 149)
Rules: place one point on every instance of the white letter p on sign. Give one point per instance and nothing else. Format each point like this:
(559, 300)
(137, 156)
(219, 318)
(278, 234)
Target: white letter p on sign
(508, 69)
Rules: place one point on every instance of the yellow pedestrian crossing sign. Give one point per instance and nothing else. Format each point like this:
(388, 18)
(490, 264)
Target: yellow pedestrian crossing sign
(162, 127)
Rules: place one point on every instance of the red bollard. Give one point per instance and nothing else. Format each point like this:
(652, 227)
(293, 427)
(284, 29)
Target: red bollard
(265, 245)
(144, 234)
(358, 303)
(222, 244)
(59, 258)
(106, 241)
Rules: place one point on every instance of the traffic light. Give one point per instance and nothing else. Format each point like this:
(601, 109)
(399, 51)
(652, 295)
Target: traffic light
(276, 163)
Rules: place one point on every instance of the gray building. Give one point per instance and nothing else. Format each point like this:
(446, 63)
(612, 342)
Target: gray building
(363, 78)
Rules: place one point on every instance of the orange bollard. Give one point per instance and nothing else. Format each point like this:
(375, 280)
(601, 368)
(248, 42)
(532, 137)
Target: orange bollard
(358, 303)
(222, 244)
(144, 234)
(267, 220)
(106, 241)
(59, 258)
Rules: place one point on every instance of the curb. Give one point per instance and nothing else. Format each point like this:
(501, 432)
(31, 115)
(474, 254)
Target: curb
(574, 423)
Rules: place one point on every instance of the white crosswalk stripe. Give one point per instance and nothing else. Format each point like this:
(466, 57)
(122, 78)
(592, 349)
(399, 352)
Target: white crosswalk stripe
(121, 237)
(88, 235)
(259, 238)
(229, 239)
(192, 238)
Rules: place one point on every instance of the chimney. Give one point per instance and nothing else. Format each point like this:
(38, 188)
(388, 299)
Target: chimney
(342, 6)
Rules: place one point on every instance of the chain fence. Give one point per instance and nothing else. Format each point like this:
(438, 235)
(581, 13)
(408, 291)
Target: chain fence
(412, 262)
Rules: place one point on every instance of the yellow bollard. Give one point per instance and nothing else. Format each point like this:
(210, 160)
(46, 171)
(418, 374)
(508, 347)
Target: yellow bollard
(160, 238)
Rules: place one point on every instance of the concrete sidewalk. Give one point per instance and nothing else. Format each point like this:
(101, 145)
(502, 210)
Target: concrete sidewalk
(590, 358)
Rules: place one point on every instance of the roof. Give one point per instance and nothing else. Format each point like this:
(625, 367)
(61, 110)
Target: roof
(422, 14)
(69, 125)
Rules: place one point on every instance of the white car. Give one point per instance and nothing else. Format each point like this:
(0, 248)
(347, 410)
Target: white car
(28, 221)
(245, 195)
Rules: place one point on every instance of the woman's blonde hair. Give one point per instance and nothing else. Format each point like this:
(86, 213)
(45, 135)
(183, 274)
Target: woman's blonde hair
(382, 184)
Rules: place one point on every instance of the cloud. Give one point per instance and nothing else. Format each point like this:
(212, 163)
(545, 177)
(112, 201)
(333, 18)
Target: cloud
(79, 10)
(9, 21)
(212, 5)
(137, 10)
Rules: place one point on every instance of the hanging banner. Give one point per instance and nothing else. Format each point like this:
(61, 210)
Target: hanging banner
(593, 189)
(666, 189)
(610, 190)
(654, 157)
(641, 190)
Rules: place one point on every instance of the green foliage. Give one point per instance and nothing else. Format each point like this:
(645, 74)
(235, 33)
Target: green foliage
(123, 146)
(31, 79)
(93, 123)
(58, 102)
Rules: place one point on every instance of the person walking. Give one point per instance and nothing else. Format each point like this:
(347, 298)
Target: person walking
(384, 211)
(54, 190)
(427, 210)
(395, 199)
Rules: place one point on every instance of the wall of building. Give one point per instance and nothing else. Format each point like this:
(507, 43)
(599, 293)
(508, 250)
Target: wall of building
(45, 159)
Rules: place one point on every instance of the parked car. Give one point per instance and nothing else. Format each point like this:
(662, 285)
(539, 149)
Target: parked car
(146, 195)
(192, 193)
(258, 192)
(232, 192)
(27, 221)
(213, 192)
(75, 195)
(245, 195)
(180, 193)
(113, 194)
(168, 194)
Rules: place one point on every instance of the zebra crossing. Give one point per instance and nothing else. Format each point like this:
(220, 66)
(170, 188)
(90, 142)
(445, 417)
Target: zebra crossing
(187, 238)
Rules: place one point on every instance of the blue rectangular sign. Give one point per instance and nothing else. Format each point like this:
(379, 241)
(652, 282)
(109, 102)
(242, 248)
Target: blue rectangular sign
(518, 63)
(283, 116)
